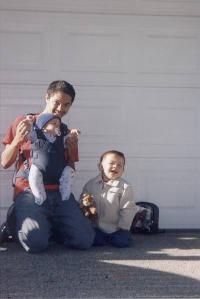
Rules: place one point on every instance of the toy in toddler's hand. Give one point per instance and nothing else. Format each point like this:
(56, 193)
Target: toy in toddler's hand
(88, 206)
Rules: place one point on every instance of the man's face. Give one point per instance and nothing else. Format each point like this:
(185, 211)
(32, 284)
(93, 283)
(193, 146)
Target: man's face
(112, 167)
(58, 103)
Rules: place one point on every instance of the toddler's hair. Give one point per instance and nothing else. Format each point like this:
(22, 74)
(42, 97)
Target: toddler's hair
(120, 154)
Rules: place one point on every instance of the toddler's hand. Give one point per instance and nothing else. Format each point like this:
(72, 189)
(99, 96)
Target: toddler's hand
(88, 206)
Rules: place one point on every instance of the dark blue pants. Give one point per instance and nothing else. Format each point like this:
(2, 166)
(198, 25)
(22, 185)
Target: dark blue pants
(36, 224)
(120, 238)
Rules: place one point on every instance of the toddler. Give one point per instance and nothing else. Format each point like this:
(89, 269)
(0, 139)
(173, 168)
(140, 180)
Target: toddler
(114, 201)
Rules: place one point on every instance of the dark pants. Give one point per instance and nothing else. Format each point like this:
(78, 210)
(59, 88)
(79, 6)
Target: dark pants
(120, 238)
(36, 224)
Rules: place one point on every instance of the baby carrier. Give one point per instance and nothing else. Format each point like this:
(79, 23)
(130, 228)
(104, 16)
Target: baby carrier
(37, 154)
(47, 156)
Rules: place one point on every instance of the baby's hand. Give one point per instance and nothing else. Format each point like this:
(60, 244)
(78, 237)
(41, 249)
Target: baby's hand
(72, 137)
(74, 132)
(31, 134)
(30, 118)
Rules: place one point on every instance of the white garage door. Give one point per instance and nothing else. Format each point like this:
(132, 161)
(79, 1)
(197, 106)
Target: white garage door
(135, 66)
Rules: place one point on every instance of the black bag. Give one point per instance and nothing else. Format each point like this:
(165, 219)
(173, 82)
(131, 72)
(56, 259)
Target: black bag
(146, 221)
(8, 228)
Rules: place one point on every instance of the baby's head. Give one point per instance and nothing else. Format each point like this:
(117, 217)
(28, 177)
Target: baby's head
(111, 165)
(49, 123)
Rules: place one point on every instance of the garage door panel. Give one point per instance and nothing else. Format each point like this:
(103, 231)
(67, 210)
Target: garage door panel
(8, 113)
(28, 50)
(98, 113)
(162, 128)
(161, 41)
(22, 93)
(163, 122)
(18, 100)
(88, 51)
(85, 170)
(100, 51)
(172, 188)
(170, 183)
(92, 53)
(100, 119)
(182, 218)
(146, 7)
(6, 190)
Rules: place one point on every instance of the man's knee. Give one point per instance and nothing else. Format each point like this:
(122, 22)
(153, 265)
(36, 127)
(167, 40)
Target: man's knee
(32, 237)
(33, 242)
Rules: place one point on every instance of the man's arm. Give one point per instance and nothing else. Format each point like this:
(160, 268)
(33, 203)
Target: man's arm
(10, 153)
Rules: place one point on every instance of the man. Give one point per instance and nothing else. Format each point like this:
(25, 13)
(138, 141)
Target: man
(35, 223)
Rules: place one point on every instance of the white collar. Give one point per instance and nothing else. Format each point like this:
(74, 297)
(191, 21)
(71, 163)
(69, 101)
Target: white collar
(113, 183)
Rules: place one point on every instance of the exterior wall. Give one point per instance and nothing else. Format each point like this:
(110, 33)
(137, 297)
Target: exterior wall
(135, 67)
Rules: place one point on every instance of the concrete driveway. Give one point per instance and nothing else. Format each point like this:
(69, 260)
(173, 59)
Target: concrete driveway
(159, 266)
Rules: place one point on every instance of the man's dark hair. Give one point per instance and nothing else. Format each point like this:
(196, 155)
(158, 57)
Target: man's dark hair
(120, 154)
(62, 86)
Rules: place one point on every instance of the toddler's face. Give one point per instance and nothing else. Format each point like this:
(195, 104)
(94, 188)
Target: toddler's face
(112, 167)
(52, 127)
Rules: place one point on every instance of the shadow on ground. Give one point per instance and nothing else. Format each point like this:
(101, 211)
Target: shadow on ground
(160, 266)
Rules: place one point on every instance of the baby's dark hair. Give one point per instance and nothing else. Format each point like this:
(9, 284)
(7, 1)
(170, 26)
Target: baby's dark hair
(120, 154)
(62, 86)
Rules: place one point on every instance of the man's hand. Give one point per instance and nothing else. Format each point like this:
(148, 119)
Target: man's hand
(10, 153)
(22, 131)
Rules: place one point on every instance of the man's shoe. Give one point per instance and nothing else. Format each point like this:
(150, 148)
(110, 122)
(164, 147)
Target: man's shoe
(5, 235)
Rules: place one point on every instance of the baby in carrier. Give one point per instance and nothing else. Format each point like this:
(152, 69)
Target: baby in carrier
(48, 165)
